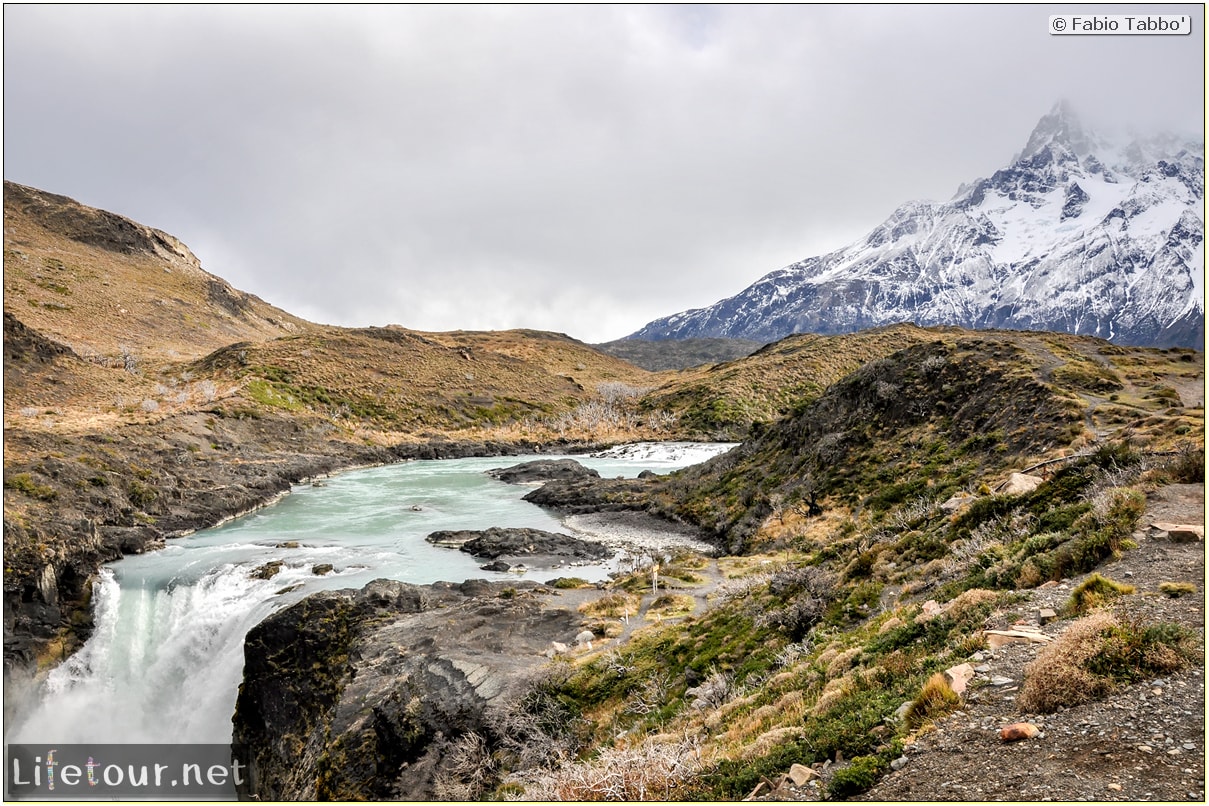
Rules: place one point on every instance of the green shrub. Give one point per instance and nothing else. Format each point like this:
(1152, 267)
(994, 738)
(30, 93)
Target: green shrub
(983, 510)
(24, 482)
(1102, 534)
(858, 776)
(1116, 455)
(1130, 652)
(140, 494)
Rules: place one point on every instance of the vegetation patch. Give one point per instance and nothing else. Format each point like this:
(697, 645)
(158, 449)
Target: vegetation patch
(569, 583)
(1177, 589)
(1098, 652)
(1093, 592)
(618, 604)
(935, 699)
(24, 483)
(671, 605)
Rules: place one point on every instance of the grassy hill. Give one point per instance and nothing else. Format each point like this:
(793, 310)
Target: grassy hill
(721, 401)
(657, 356)
(114, 290)
(869, 542)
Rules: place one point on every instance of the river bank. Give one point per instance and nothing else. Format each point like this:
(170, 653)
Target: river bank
(78, 500)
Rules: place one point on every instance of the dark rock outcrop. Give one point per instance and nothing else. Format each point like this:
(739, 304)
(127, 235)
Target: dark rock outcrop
(542, 470)
(366, 695)
(577, 496)
(495, 543)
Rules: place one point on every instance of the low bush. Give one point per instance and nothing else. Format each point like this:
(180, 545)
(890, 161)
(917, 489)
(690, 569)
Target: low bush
(24, 482)
(858, 776)
(1096, 653)
(569, 583)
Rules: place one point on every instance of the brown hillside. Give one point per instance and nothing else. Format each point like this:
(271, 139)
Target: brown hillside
(400, 381)
(104, 285)
(109, 322)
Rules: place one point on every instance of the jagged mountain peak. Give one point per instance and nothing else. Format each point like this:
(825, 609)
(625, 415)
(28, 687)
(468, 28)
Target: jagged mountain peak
(1058, 129)
(1075, 235)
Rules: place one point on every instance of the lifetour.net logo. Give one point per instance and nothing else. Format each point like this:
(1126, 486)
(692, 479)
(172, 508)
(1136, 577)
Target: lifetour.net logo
(121, 771)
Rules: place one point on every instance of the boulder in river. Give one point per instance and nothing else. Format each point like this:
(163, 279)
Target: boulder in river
(543, 470)
(495, 543)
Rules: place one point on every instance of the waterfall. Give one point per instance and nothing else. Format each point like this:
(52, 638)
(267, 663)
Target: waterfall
(165, 659)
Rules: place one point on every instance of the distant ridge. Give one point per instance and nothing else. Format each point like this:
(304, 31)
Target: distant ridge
(657, 356)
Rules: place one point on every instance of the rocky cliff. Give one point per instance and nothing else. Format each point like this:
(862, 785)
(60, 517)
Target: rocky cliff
(386, 693)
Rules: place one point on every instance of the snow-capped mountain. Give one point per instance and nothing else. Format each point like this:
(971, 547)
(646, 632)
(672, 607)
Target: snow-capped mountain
(1075, 235)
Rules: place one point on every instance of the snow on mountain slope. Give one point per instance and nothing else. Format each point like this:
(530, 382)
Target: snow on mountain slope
(1075, 235)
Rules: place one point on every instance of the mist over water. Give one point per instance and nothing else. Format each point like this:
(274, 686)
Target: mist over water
(165, 659)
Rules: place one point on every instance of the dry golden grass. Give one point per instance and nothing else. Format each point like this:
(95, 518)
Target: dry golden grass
(671, 606)
(841, 661)
(935, 700)
(611, 606)
(835, 691)
(1059, 677)
(969, 600)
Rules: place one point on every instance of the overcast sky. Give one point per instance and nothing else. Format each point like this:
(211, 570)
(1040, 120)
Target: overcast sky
(582, 169)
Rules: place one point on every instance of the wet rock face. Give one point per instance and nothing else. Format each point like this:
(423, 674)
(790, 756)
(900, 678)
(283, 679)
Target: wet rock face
(533, 543)
(543, 470)
(361, 695)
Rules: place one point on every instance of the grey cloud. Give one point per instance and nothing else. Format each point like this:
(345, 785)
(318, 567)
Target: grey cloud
(582, 169)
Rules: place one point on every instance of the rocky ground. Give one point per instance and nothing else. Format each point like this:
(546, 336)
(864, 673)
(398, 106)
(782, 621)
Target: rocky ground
(1145, 742)
(637, 533)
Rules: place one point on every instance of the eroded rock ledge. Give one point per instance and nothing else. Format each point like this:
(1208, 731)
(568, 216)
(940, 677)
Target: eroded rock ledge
(361, 695)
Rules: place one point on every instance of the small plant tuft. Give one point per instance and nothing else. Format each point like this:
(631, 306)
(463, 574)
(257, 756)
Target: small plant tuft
(936, 699)
(1177, 589)
(1093, 592)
